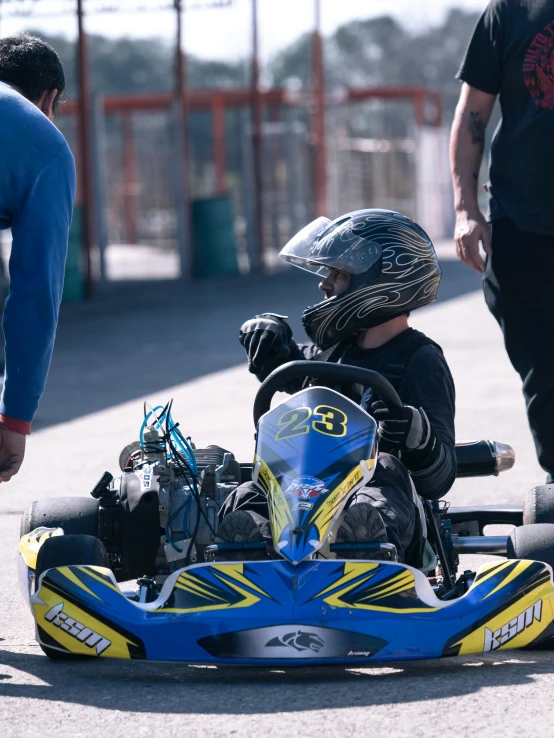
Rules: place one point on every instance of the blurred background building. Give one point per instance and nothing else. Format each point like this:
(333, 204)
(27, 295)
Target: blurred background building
(203, 146)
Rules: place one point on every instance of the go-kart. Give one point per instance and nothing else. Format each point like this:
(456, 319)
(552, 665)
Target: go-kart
(301, 596)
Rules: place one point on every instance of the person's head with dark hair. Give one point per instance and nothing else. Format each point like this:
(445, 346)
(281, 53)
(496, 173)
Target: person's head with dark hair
(34, 69)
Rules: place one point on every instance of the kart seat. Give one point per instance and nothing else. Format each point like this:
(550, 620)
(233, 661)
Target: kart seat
(428, 560)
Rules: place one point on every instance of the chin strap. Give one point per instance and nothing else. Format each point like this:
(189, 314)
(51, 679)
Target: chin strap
(334, 353)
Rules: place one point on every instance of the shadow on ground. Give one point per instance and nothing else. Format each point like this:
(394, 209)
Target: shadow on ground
(134, 339)
(179, 689)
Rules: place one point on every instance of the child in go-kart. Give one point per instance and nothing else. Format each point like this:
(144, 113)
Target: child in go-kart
(377, 266)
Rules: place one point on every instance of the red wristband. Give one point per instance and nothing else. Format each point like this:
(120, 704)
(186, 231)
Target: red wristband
(18, 426)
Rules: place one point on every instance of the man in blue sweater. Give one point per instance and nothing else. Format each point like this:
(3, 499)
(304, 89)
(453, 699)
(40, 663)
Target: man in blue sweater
(37, 191)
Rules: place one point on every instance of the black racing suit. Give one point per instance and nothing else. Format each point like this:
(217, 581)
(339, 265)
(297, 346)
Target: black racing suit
(416, 367)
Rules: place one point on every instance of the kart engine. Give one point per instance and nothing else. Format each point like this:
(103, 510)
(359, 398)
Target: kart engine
(157, 517)
(189, 522)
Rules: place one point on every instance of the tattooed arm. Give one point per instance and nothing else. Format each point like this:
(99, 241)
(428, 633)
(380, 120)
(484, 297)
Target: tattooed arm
(467, 143)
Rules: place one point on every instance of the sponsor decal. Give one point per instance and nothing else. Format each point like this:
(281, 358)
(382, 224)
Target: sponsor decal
(146, 476)
(359, 653)
(306, 490)
(85, 635)
(299, 640)
(367, 399)
(496, 638)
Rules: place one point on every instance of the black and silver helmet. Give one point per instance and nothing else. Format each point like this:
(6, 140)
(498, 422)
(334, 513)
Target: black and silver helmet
(392, 263)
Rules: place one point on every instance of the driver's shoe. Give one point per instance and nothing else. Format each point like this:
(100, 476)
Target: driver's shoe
(362, 523)
(242, 526)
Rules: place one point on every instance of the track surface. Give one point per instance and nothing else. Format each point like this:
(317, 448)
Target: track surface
(124, 348)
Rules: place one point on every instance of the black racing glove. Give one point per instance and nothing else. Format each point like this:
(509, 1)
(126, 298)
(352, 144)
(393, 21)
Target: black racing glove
(407, 433)
(267, 341)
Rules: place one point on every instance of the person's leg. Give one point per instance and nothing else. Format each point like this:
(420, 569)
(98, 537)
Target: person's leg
(244, 518)
(518, 292)
(391, 493)
(247, 497)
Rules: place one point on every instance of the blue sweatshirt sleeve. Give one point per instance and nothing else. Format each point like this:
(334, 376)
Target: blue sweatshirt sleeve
(40, 229)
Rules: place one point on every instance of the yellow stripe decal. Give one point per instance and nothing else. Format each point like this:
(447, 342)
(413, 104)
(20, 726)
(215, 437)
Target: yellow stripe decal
(93, 571)
(68, 574)
(351, 571)
(496, 569)
(405, 577)
(236, 572)
(516, 571)
(324, 515)
(279, 509)
(193, 588)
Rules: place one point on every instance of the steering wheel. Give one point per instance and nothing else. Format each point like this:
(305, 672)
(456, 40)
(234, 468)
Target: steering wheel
(342, 373)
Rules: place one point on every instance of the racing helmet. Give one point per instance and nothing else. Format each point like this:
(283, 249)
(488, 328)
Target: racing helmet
(392, 265)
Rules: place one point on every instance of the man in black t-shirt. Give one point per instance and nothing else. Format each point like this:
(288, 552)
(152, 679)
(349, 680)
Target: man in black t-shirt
(511, 55)
(377, 266)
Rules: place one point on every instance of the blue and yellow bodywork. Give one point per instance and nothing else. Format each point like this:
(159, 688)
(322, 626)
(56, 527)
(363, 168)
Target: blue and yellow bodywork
(314, 451)
(275, 612)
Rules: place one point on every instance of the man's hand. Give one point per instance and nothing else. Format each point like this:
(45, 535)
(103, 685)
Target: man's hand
(266, 340)
(12, 451)
(470, 231)
(402, 428)
(406, 433)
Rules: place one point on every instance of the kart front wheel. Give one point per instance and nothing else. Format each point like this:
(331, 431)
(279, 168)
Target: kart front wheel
(72, 550)
(532, 542)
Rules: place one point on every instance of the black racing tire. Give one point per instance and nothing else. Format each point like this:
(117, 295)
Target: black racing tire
(539, 505)
(534, 542)
(69, 550)
(76, 515)
(126, 456)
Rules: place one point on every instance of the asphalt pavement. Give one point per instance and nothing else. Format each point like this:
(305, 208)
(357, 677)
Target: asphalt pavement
(164, 340)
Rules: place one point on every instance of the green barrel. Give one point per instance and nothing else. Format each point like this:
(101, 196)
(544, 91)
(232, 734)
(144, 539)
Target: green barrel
(213, 233)
(73, 290)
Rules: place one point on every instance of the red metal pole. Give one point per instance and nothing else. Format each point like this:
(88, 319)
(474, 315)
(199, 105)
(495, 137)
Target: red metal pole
(419, 107)
(437, 101)
(130, 184)
(218, 132)
(84, 148)
(318, 118)
(256, 106)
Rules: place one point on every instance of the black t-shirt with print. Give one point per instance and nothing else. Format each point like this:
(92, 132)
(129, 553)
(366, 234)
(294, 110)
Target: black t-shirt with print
(511, 54)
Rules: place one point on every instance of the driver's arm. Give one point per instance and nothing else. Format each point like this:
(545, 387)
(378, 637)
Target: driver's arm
(427, 383)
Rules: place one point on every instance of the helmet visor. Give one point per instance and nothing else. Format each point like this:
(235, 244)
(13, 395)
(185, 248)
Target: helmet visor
(323, 245)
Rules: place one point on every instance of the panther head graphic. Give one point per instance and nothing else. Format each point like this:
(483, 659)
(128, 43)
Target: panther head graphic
(300, 640)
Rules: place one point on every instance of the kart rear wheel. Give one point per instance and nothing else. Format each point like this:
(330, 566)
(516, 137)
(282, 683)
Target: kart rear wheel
(532, 542)
(539, 505)
(69, 550)
(73, 514)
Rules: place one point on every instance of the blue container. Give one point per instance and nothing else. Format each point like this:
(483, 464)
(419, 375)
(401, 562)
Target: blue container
(215, 248)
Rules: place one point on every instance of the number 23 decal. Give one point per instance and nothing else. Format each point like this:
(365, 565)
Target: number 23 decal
(329, 420)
